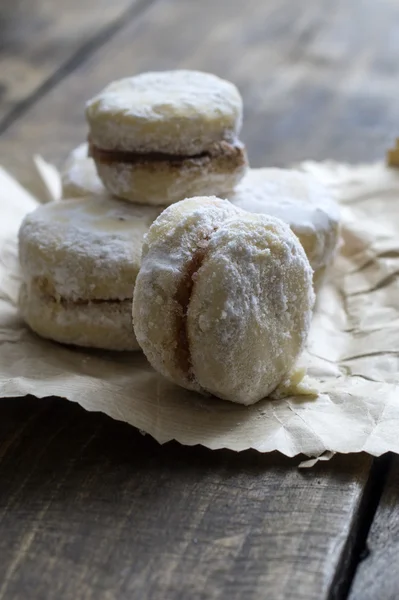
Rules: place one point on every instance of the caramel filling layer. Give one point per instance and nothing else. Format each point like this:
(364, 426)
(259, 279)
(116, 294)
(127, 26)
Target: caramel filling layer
(122, 156)
(80, 302)
(183, 297)
(43, 286)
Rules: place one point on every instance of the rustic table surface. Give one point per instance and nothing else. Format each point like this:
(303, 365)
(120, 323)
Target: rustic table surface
(89, 508)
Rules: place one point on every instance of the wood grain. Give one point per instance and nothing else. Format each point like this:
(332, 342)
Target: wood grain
(312, 85)
(89, 508)
(377, 576)
(41, 40)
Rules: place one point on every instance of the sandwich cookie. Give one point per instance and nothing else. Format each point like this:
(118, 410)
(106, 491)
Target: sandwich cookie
(302, 202)
(160, 137)
(223, 300)
(79, 261)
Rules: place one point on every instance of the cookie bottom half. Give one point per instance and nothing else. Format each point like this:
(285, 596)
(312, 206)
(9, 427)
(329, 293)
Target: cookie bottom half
(101, 324)
(163, 182)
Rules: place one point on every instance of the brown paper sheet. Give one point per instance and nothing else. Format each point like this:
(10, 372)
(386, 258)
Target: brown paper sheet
(353, 350)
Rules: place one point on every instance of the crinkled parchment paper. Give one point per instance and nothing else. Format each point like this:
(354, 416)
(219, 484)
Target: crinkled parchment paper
(353, 349)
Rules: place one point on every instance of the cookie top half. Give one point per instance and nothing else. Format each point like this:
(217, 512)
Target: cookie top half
(178, 112)
(84, 249)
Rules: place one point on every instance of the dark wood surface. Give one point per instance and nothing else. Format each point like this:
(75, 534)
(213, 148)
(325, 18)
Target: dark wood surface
(89, 508)
(378, 574)
(42, 40)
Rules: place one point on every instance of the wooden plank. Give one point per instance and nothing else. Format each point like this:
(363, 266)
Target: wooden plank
(377, 575)
(41, 40)
(95, 509)
(312, 86)
(89, 508)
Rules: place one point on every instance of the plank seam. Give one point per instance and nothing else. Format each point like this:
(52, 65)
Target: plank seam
(356, 549)
(77, 58)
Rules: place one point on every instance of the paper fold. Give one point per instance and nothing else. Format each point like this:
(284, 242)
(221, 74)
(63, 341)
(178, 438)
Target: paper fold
(353, 350)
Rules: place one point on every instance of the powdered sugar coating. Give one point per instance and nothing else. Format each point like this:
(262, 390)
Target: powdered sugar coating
(250, 310)
(301, 201)
(79, 176)
(87, 248)
(250, 306)
(175, 112)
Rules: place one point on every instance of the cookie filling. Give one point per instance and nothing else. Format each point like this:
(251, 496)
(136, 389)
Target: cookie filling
(46, 289)
(220, 149)
(182, 297)
(81, 302)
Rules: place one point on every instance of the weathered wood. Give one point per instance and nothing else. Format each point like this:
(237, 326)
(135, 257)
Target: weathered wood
(377, 576)
(41, 40)
(312, 85)
(89, 508)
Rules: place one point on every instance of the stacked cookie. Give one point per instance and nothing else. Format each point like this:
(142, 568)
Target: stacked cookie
(160, 137)
(154, 140)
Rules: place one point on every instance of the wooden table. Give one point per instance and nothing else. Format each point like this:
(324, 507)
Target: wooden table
(89, 508)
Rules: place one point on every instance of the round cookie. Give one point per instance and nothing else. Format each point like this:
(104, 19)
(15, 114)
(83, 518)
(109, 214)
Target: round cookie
(159, 137)
(302, 202)
(79, 176)
(79, 260)
(223, 300)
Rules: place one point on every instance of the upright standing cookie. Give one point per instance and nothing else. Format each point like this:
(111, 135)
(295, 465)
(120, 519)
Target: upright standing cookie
(299, 200)
(160, 137)
(223, 299)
